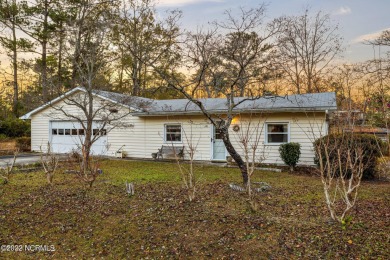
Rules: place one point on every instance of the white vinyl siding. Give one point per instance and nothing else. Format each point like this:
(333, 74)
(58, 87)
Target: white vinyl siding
(303, 128)
(142, 136)
(146, 136)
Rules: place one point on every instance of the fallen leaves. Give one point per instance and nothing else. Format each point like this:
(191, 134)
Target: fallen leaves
(158, 221)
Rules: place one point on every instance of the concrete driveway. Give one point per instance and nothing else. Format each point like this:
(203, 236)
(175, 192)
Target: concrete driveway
(20, 160)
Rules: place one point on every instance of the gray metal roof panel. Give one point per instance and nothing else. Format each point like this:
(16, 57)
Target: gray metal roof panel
(315, 101)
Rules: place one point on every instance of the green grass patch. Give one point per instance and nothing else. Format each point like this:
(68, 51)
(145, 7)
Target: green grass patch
(158, 221)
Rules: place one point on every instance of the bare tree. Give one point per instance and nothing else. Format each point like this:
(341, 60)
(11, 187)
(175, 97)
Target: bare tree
(249, 135)
(141, 36)
(242, 54)
(96, 111)
(346, 80)
(378, 71)
(6, 172)
(341, 170)
(49, 162)
(307, 45)
(187, 170)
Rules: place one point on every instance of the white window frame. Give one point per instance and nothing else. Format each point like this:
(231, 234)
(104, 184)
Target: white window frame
(181, 133)
(277, 123)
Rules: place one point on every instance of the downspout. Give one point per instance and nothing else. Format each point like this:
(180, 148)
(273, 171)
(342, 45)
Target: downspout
(327, 121)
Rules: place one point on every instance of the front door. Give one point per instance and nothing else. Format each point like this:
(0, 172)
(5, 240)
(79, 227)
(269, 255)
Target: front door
(219, 151)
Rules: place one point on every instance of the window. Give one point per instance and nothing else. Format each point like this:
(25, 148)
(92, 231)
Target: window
(54, 131)
(95, 131)
(277, 133)
(172, 133)
(67, 131)
(74, 131)
(81, 131)
(61, 131)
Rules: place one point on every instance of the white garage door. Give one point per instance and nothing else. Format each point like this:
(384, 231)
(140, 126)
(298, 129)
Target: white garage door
(66, 136)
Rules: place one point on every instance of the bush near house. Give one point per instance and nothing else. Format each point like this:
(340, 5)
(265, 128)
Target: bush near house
(290, 154)
(14, 127)
(372, 149)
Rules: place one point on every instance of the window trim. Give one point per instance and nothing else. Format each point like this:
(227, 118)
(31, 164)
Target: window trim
(277, 123)
(165, 133)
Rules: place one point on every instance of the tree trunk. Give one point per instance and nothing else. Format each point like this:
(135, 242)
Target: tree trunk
(237, 157)
(136, 87)
(60, 47)
(45, 93)
(15, 68)
(49, 177)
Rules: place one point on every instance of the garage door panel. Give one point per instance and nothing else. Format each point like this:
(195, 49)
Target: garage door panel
(67, 136)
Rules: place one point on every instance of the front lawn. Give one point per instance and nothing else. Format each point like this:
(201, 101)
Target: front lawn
(158, 221)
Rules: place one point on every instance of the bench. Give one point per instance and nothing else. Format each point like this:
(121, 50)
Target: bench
(169, 151)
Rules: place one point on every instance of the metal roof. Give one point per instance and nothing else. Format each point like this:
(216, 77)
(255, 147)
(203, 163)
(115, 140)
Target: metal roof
(303, 102)
(149, 107)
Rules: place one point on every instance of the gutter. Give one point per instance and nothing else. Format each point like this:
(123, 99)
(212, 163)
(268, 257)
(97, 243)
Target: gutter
(166, 113)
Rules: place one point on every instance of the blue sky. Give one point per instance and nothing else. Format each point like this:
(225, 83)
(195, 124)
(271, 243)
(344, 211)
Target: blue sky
(357, 19)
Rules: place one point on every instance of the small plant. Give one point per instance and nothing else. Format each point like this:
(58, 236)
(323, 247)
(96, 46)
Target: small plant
(49, 163)
(5, 173)
(187, 172)
(346, 222)
(290, 154)
(86, 169)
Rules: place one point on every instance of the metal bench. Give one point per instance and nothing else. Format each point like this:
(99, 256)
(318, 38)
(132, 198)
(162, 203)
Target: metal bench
(169, 151)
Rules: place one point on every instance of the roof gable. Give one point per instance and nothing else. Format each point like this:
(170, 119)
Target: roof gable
(132, 102)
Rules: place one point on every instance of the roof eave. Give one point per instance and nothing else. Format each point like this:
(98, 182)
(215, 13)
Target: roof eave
(29, 114)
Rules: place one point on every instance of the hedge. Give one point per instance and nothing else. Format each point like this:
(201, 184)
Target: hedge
(372, 149)
(13, 127)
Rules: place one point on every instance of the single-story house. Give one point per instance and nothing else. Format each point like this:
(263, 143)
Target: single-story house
(147, 124)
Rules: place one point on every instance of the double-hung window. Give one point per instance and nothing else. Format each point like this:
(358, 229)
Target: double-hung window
(277, 133)
(173, 133)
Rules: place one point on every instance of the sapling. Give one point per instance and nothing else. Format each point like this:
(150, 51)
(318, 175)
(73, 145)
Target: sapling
(5, 173)
(49, 162)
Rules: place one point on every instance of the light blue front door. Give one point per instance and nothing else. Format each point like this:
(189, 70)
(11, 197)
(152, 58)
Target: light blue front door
(219, 151)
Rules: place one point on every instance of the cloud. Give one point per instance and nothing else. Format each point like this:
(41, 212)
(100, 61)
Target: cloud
(343, 10)
(184, 2)
(369, 36)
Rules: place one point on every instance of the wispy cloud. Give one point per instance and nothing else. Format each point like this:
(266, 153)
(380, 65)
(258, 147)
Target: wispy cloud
(183, 2)
(369, 36)
(343, 10)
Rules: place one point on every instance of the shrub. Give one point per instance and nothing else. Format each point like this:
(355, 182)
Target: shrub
(290, 154)
(13, 127)
(3, 137)
(369, 144)
(23, 143)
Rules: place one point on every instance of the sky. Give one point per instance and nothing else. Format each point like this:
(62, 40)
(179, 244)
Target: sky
(358, 20)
